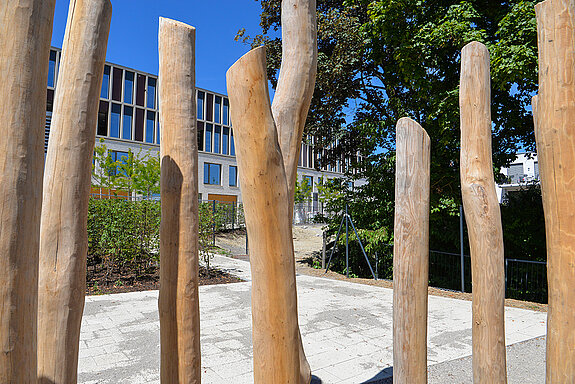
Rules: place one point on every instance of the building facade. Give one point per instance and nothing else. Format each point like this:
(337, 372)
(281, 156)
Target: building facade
(523, 171)
(128, 121)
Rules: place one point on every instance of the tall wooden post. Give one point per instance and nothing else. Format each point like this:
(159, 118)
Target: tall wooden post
(292, 99)
(411, 253)
(67, 180)
(265, 196)
(178, 302)
(25, 32)
(483, 217)
(554, 112)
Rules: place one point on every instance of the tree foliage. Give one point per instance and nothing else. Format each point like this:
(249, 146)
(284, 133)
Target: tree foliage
(380, 60)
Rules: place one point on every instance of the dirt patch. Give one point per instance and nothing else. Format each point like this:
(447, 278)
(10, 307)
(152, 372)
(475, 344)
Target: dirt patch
(95, 284)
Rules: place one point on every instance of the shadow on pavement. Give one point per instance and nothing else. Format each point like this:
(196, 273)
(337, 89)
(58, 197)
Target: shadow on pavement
(383, 377)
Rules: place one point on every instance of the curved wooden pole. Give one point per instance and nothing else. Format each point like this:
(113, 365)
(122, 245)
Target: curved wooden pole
(67, 180)
(411, 253)
(296, 81)
(265, 196)
(554, 113)
(483, 217)
(179, 301)
(292, 99)
(25, 32)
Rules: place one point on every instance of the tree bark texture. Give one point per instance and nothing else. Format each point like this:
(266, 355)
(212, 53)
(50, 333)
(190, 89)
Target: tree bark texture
(483, 217)
(179, 301)
(265, 195)
(67, 182)
(411, 253)
(25, 32)
(555, 137)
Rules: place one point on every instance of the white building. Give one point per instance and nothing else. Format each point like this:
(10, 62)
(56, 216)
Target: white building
(128, 121)
(523, 171)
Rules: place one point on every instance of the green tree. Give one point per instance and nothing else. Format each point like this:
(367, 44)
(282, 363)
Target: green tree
(380, 60)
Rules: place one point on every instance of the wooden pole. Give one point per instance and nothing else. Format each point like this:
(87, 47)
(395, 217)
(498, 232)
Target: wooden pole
(554, 112)
(179, 301)
(25, 32)
(292, 99)
(411, 253)
(67, 181)
(483, 217)
(265, 196)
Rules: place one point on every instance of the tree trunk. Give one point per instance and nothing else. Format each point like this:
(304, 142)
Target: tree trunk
(483, 217)
(411, 253)
(178, 302)
(554, 112)
(265, 196)
(25, 32)
(67, 182)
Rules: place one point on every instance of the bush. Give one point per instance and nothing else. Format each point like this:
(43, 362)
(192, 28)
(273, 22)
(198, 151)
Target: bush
(123, 236)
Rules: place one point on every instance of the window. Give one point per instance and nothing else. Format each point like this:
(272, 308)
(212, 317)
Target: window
(127, 123)
(209, 107)
(105, 92)
(139, 126)
(225, 140)
(129, 88)
(232, 144)
(217, 136)
(151, 93)
(140, 89)
(201, 96)
(115, 120)
(309, 180)
(226, 112)
(212, 173)
(208, 146)
(150, 122)
(52, 69)
(49, 100)
(121, 157)
(103, 118)
(200, 135)
(117, 84)
(158, 132)
(233, 176)
(218, 110)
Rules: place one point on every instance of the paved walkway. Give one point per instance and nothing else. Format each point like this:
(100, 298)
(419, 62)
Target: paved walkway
(346, 330)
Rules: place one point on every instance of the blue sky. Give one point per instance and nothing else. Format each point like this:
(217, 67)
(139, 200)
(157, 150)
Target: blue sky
(133, 38)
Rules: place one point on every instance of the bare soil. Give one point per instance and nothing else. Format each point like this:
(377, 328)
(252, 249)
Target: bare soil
(96, 282)
(308, 242)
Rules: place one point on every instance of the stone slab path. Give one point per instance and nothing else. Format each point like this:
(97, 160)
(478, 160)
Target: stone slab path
(346, 330)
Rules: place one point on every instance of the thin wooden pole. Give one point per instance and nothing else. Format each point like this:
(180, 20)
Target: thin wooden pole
(67, 181)
(292, 99)
(179, 301)
(554, 113)
(25, 32)
(411, 253)
(483, 217)
(265, 195)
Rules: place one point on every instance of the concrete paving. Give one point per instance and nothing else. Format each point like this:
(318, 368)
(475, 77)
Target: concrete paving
(346, 330)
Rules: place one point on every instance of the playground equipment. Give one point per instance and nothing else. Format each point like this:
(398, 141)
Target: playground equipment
(483, 217)
(67, 181)
(268, 139)
(25, 31)
(554, 114)
(411, 253)
(39, 327)
(179, 268)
